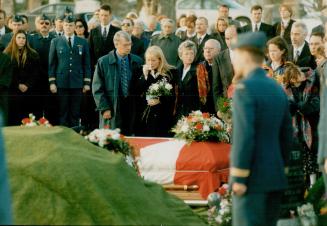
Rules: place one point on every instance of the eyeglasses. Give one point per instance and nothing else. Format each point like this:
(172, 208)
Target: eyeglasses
(79, 26)
(46, 23)
(126, 24)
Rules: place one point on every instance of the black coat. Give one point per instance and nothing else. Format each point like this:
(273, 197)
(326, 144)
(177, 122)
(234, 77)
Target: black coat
(222, 75)
(98, 46)
(305, 59)
(188, 95)
(287, 32)
(155, 121)
(199, 55)
(5, 80)
(137, 47)
(266, 28)
(320, 28)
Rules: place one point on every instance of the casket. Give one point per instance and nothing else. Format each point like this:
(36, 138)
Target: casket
(199, 165)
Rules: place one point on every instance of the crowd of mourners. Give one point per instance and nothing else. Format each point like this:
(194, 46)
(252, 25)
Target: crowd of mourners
(97, 73)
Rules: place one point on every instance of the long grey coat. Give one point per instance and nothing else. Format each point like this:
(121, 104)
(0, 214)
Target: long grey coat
(105, 86)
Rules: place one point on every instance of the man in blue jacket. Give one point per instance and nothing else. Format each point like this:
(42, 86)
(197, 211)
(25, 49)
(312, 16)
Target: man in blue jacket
(262, 134)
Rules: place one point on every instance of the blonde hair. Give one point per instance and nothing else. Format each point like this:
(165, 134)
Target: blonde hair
(164, 67)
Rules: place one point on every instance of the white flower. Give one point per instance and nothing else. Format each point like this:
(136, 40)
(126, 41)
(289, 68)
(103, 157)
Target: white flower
(185, 128)
(168, 86)
(155, 87)
(206, 128)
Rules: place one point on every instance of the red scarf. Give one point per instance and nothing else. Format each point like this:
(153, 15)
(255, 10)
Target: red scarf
(203, 82)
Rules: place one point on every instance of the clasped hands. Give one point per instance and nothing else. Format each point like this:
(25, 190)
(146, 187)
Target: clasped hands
(53, 88)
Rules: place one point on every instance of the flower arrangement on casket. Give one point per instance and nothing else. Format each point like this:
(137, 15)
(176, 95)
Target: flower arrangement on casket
(32, 122)
(198, 126)
(220, 206)
(112, 140)
(225, 112)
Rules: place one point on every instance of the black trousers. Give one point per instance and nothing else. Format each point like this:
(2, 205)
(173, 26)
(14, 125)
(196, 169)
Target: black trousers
(70, 106)
(256, 209)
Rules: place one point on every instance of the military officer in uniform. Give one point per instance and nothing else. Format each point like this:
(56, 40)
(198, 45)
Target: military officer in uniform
(69, 72)
(40, 42)
(262, 134)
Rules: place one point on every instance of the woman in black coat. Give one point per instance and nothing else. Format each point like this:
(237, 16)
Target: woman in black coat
(188, 94)
(155, 113)
(22, 99)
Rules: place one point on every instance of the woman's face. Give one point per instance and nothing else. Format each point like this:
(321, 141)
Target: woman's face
(190, 28)
(152, 61)
(275, 53)
(221, 26)
(20, 40)
(187, 56)
(79, 28)
(182, 22)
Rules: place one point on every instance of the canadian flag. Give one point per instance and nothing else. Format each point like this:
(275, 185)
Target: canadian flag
(172, 161)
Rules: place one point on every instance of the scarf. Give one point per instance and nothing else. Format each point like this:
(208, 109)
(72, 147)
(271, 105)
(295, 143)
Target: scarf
(203, 82)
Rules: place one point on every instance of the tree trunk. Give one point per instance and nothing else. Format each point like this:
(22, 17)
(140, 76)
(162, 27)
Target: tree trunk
(32, 4)
(8, 6)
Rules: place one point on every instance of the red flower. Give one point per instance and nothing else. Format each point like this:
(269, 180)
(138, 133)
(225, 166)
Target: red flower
(199, 126)
(43, 121)
(205, 115)
(222, 191)
(26, 121)
(226, 104)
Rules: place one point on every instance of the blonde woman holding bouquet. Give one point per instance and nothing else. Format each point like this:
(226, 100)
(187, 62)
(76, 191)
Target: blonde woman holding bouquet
(156, 87)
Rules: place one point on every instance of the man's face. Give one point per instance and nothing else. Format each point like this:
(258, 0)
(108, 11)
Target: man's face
(230, 37)
(59, 24)
(210, 50)
(127, 26)
(223, 12)
(25, 26)
(2, 20)
(167, 28)
(16, 26)
(238, 61)
(297, 36)
(138, 30)
(44, 26)
(201, 27)
(104, 17)
(315, 43)
(69, 28)
(123, 47)
(256, 15)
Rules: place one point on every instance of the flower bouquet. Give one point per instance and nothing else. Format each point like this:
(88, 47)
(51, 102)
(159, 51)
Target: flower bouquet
(225, 112)
(220, 204)
(200, 126)
(307, 215)
(156, 90)
(32, 122)
(112, 140)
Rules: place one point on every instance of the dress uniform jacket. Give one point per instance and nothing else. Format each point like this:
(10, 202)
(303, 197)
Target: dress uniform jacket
(262, 134)
(69, 67)
(5, 40)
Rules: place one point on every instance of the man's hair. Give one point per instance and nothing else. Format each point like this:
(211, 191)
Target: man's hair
(302, 25)
(257, 55)
(3, 12)
(256, 7)
(318, 34)
(204, 19)
(223, 6)
(106, 8)
(121, 34)
(25, 17)
(215, 42)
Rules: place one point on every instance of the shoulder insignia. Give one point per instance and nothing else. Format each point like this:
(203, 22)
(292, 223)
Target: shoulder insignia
(240, 86)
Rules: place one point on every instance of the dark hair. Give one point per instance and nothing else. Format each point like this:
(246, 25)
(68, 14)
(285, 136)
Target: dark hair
(281, 44)
(24, 16)
(256, 7)
(318, 34)
(257, 55)
(106, 8)
(224, 6)
(86, 29)
(3, 12)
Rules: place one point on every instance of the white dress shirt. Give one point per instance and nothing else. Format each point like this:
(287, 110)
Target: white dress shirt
(299, 49)
(107, 29)
(185, 70)
(258, 25)
(71, 39)
(2, 31)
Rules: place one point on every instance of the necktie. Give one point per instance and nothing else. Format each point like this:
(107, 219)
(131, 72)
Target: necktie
(297, 55)
(59, 33)
(199, 41)
(256, 27)
(104, 34)
(282, 29)
(70, 42)
(124, 76)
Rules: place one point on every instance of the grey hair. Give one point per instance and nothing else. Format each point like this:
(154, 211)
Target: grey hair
(301, 25)
(139, 23)
(188, 44)
(204, 19)
(216, 43)
(121, 34)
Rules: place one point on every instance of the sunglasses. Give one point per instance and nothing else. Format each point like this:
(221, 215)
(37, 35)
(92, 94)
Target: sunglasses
(46, 23)
(79, 26)
(126, 24)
